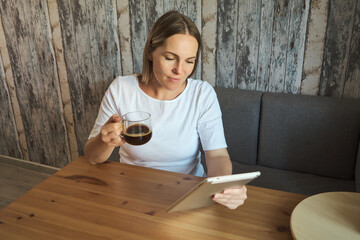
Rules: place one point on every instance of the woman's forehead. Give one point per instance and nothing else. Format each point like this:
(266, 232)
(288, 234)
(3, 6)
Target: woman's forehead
(183, 44)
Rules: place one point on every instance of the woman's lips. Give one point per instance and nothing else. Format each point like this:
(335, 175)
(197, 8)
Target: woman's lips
(174, 79)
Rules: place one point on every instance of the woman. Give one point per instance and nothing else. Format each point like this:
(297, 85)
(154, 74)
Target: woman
(184, 111)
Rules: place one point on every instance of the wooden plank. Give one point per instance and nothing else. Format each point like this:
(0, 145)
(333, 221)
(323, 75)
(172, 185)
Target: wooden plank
(226, 43)
(16, 181)
(194, 13)
(209, 17)
(9, 142)
(44, 64)
(138, 32)
(74, 22)
(112, 24)
(74, 70)
(104, 16)
(154, 9)
(352, 80)
(46, 169)
(105, 47)
(62, 72)
(9, 78)
(84, 201)
(104, 41)
(125, 36)
(177, 5)
(98, 36)
(296, 45)
(111, 44)
(314, 49)
(168, 5)
(92, 54)
(279, 45)
(36, 81)
(265, 45)
(247, 46)
(337, 46)
(181, 6)
(4, 201)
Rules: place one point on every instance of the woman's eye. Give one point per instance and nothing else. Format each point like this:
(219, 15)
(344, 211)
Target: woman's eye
(169, 58)
(191, 62)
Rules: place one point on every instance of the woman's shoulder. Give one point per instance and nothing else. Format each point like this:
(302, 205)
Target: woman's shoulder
(127, 81)
(201, 86)
(126, 78)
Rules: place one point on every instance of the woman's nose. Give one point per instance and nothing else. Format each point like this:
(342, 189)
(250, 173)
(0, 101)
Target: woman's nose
(178, 68)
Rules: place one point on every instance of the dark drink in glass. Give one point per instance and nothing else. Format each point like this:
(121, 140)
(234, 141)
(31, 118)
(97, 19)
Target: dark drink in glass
(136, 128)
(137, 134)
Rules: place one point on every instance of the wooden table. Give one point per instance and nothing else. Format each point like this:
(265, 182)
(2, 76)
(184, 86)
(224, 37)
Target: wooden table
(332, 215)
(119, 201)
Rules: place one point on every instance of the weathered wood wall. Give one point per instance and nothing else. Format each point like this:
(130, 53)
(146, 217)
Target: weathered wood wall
(59, 56)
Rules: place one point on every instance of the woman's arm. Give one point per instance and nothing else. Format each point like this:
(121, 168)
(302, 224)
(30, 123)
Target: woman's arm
(99, 148)
(96, 151)
(218, 163)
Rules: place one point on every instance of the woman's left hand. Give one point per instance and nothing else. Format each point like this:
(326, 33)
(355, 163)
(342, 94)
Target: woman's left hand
(231, 197)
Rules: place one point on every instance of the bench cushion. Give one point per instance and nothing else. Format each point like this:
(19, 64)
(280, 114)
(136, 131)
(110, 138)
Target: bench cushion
(295, 182)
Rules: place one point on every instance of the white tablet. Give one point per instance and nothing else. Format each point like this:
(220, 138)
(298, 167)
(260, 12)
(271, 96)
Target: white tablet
(201, 194)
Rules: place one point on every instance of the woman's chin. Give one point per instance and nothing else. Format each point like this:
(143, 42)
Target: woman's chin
(174, 86)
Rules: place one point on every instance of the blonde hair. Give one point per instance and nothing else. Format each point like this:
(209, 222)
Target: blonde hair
(167, 25)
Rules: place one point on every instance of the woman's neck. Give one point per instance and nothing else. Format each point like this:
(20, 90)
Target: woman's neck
(155, 90)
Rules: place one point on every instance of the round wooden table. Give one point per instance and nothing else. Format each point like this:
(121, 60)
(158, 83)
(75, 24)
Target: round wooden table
(331, 215)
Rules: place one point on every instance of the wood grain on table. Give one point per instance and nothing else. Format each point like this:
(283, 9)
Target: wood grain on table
(119, 201)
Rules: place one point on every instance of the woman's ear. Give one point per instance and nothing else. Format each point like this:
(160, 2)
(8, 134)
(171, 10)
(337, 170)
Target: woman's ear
(150, 55)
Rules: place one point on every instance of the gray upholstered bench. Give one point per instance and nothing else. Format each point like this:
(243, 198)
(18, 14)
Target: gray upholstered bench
(301, 144)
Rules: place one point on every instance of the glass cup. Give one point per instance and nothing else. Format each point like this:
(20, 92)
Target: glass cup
(136, 127)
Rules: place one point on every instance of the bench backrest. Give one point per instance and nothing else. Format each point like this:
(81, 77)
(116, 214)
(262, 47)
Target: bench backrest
(241, 116)
(318, 135)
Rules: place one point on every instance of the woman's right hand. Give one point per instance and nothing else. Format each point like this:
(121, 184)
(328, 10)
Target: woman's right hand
(110, 132)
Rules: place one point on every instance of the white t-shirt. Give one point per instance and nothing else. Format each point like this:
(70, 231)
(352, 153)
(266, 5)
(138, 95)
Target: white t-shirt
(178, 125)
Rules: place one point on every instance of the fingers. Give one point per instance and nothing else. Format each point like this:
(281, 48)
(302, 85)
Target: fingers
(231, 198)
(114, 118)
(111, 131)
(113, 139)
(115, 142)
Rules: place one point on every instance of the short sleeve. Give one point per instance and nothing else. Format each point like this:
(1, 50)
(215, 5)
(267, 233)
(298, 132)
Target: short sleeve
(210, 126)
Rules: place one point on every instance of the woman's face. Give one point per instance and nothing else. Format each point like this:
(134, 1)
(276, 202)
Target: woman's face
(174, 61)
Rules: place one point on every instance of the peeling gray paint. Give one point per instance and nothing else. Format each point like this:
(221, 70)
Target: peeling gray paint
(59, 56)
